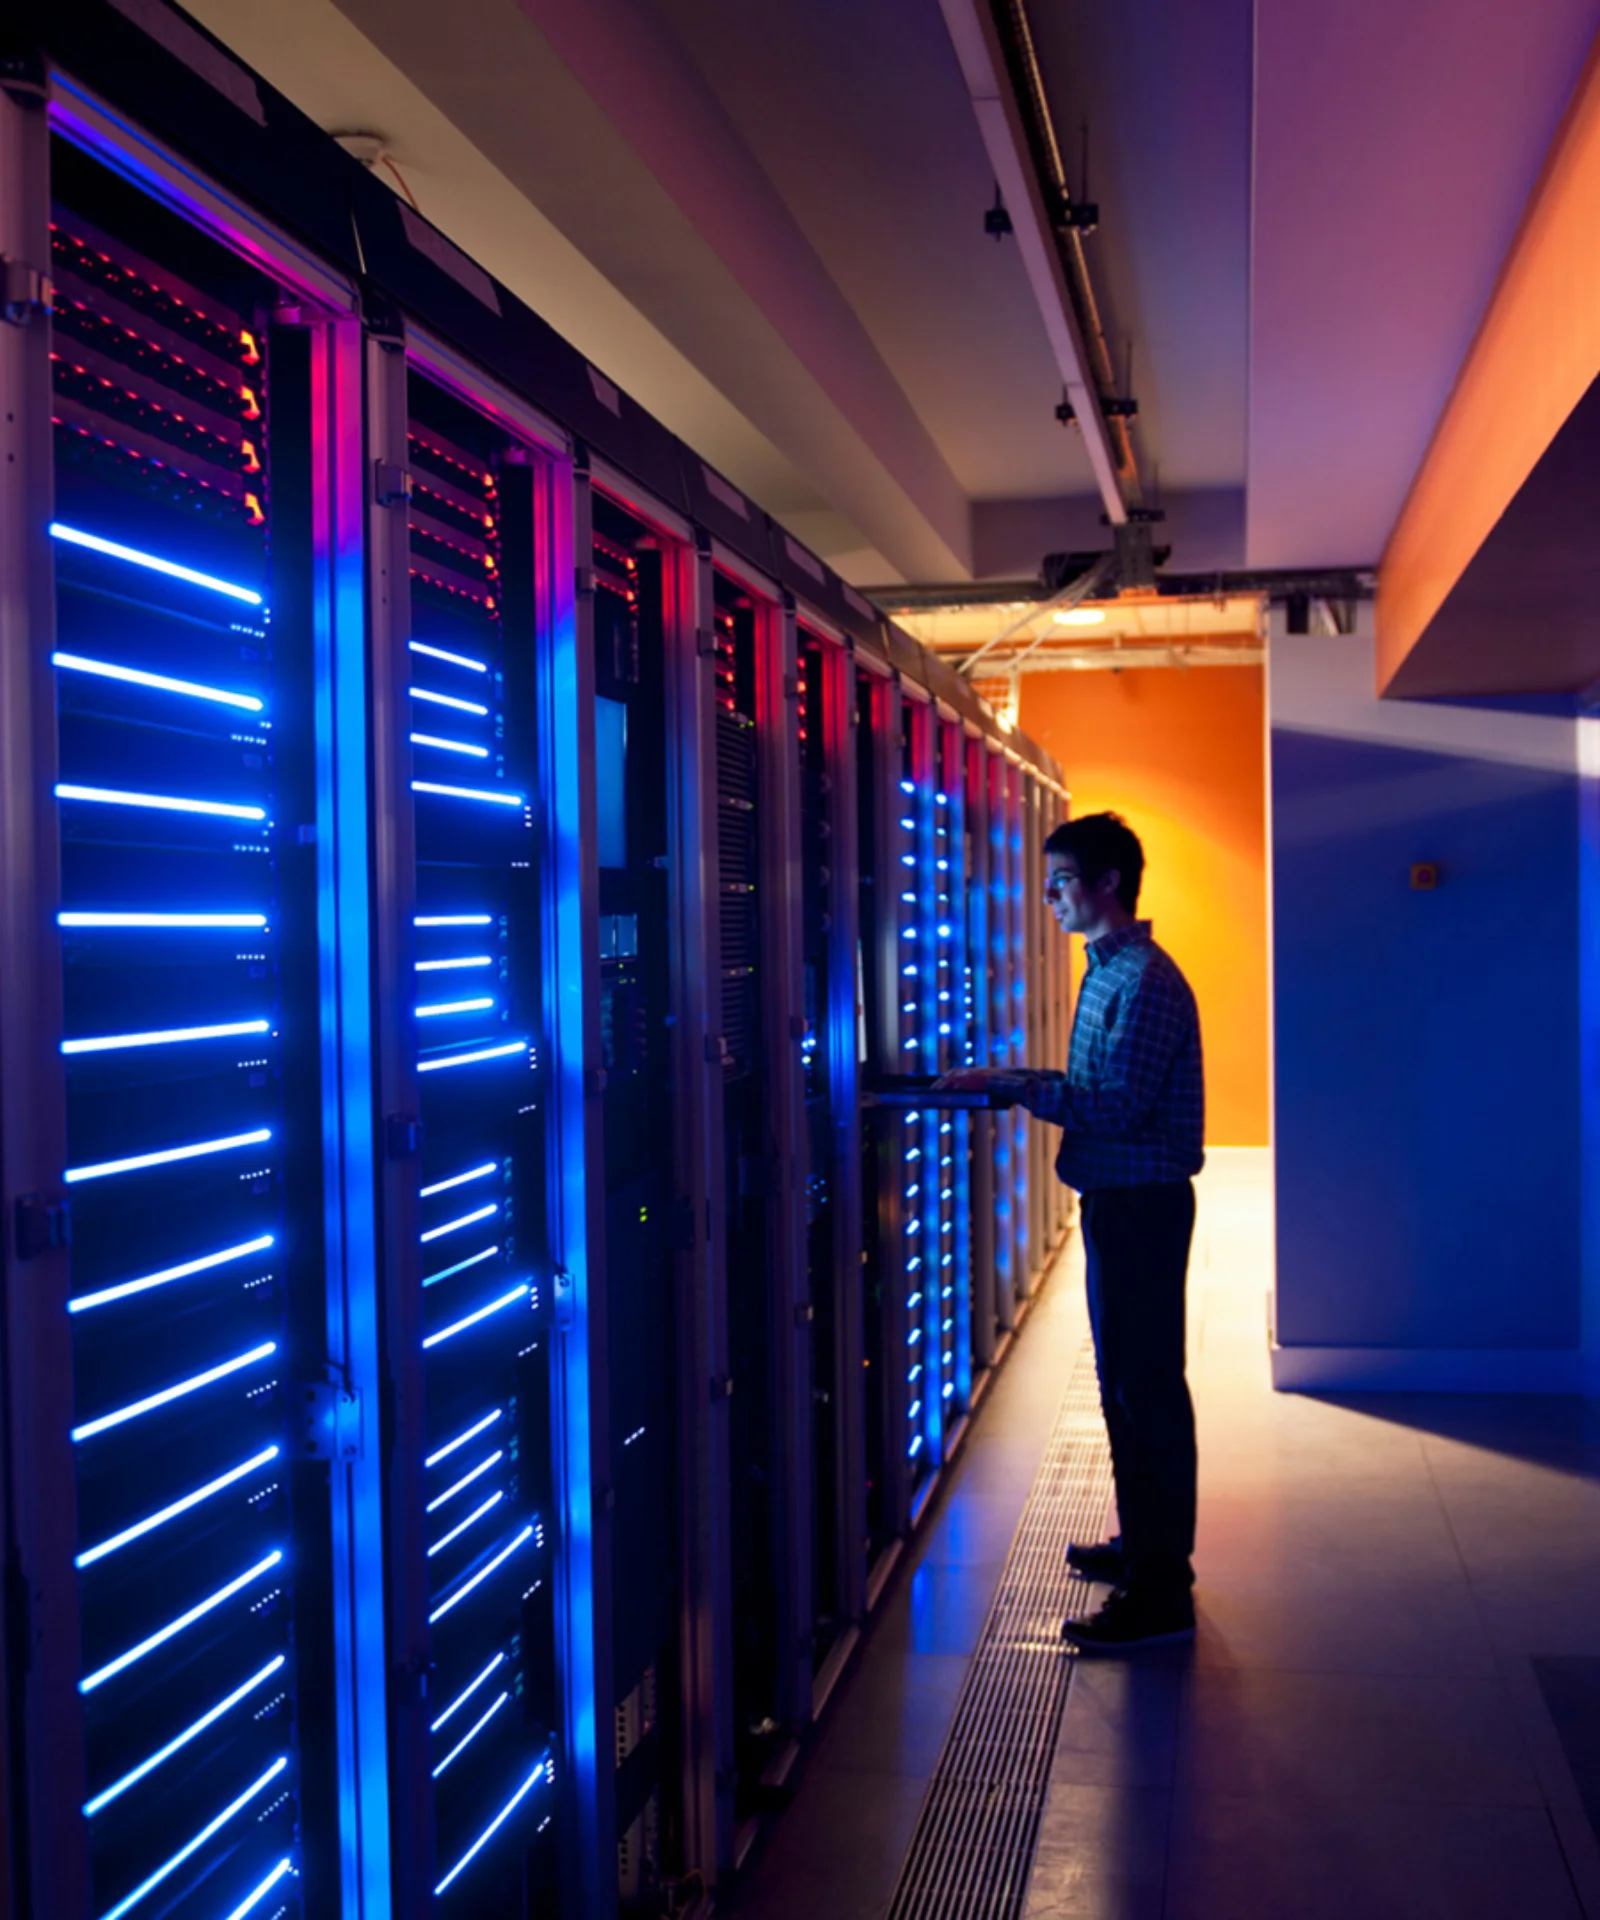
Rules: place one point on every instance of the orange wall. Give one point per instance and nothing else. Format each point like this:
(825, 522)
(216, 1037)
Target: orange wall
(1180, 754)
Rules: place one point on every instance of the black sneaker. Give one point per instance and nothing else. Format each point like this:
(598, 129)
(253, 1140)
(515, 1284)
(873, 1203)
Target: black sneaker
(1098, 1562)
(1130, 1619)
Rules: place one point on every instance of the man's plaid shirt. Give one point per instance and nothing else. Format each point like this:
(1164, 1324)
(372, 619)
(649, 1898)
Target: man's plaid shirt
(1131, 1104)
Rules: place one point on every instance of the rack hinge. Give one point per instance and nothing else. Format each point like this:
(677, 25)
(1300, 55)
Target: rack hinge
(43, 1221)
(391, 483)
(24, 292)
(705, 642)
(402, 1134)
(330, 1420)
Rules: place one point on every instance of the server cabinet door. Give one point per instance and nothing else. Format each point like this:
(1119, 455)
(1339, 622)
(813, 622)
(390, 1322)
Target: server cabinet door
(923, 970)
(190, 533)
(467, 1277)
(886, 889)
(953, 1040)
(649, 1216)
(757, 866)
(979, 1007)
(826, 751)
(1001, 964)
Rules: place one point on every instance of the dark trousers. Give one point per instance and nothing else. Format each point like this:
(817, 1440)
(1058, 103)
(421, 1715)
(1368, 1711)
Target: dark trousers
(1136, 1241)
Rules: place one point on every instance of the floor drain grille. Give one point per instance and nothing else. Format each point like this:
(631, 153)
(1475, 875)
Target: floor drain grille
(973, 1845)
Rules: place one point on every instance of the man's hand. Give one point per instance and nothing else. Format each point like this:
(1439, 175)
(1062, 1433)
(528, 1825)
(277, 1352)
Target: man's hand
(1001, 1083)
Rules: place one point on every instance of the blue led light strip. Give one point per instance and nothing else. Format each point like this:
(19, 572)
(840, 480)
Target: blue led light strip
(449, 746)
(455, 966)
(161, 682)
(168, 1394)
(472, 1319)
(180, 1740)
(467, 793)
(483, 1573)
(461, 1439)
(466, 1479)
(462, 1220)
(471, 1734)
(137, 1162)
(461, 1179)
(466, 1059)
(192, 1847)
(450, 700)
(437, 1007)
(453, 920)
(162, 1635)
(454, 659)
(114, 550)
(493, 1827)
(161, 919)
(472, 1260)
(471, 1520)
(467, 1692)
(160, 802)
(105, 1295)
(169, 1036)
(252, 1900)
(171, 1512)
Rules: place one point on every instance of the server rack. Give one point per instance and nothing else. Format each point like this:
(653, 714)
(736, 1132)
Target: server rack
(462, 594)
(827, 747)
(203, 1466)
(462, 529)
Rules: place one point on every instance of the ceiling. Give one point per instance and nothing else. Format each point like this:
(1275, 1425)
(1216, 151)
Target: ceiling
(764, 218)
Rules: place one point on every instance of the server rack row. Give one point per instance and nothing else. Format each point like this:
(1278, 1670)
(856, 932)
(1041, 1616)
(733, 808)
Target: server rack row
(474, 1350)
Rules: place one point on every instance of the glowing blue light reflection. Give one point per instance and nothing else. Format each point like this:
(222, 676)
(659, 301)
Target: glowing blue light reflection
(472, 1260)
(454, 659)
(461, 1439)
(493, 1827)
(449, 700)
(467, 793)
(466, 1059)
(253, 1900)
(114, 550)
(171, 1512)
(449, 746)
(466, 1480)
(192, 1847)
(462, 1220)
(471, 1520)
(467, 1692)
(471, 1734)
(483, 1573)
(174, 1627)
(204, 1264)
(159, 802)
(181, 1740)
(473, 1319)
(169, 1036)
(161, 919)
(137, 1162)
(168, 1394)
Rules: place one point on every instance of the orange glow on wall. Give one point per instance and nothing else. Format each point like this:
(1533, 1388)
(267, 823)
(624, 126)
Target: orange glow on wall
(1535, 356)
(1182, 756)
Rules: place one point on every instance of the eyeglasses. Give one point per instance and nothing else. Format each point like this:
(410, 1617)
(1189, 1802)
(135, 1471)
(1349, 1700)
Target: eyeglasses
(1057, 883)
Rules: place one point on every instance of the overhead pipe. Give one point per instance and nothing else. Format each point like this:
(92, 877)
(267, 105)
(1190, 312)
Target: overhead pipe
(1085, 370)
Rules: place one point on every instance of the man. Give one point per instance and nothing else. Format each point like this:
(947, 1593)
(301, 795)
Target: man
(1131, 1107)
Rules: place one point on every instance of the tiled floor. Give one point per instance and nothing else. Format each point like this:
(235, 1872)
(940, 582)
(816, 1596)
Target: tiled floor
(1357, 1730)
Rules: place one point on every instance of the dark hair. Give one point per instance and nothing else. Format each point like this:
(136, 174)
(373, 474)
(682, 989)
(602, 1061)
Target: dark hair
(1102, 843)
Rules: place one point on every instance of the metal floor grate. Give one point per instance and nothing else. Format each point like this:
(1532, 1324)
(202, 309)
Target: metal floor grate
(973, 1846)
